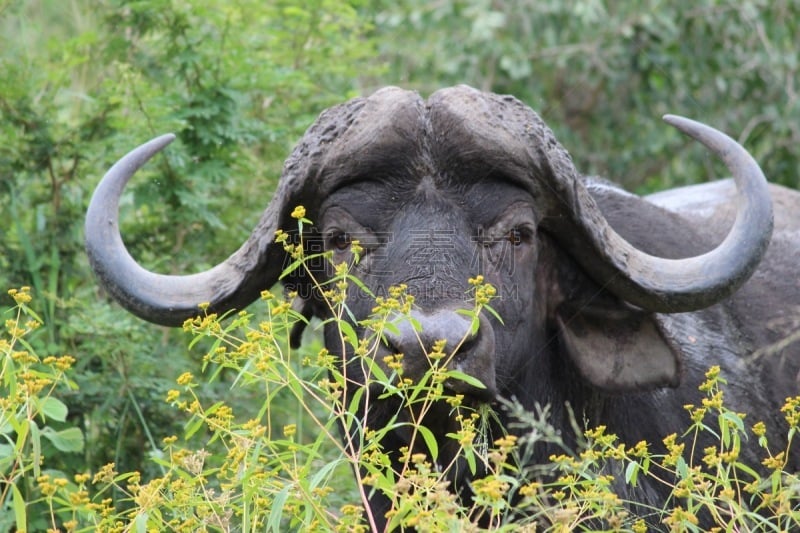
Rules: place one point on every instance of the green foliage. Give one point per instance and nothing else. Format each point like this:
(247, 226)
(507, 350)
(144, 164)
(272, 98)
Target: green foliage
(602, 74)
(81, 83)
(33, 421)
(239, 468)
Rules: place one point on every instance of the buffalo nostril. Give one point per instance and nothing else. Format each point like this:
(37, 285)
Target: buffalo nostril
(417, 335)
(475, 359)
(467, 350)
(467, 344)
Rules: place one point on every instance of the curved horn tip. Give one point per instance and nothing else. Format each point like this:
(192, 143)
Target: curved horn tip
(126, 166)
(682, 123)
(153, 146)
(162, 140)
(718, 142)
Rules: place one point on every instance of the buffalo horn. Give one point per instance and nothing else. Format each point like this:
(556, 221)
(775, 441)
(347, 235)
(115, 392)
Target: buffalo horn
(170, 299)
(675, 285)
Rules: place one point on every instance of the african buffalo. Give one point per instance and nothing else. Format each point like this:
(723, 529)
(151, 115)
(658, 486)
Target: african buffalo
(611, 303)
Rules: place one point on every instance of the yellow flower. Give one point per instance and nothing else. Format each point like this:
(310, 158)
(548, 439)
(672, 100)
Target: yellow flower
(507, 442)
(21, 296)
(299, 212)
(64, 362)
(352, 510)
(105, 475)
(640, 450)
(491, 488)
(281, 236)
(477, 280)
(791, 411)
(679, 518)
(530, 489)
(775, 462)
(419, 459)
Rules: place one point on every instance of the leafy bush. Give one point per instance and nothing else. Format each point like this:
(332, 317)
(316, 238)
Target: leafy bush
(83, 82)
(33, 420)
(249, 469)
(602, 74)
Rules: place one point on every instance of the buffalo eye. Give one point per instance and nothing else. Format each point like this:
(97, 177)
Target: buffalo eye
(518, 236)
(341, 241)
(515, 236)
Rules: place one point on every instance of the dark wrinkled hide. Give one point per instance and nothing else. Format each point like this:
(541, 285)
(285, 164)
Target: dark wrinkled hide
(440, 190)
(436, 199)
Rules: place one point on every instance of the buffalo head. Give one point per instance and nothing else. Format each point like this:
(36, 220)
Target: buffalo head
(440, 190)
(436, 192)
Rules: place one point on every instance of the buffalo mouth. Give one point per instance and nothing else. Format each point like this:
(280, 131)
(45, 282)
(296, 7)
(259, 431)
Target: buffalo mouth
(476, 389)
(458, 388)
(470, 394)
(448, 423)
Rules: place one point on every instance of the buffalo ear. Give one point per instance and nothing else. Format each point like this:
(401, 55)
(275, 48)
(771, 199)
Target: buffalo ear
(617, 348)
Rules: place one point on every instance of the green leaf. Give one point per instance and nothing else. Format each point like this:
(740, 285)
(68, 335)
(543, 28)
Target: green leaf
(6, 426)
(276, 510)
(470, 313)
(22, 429)
(474, 325)
(734, 419)
(360, 285)
(469, 456)
(466, 378)
(36, 444)
(725, 431)
(632, 473)
(66, 440)
(430, 441)
(350, 334)
(747, 470)
(291, 268)
(6, 452)
(494, 313)
(53, 408)
(681, 468)
(354, 403)
(646, 465)
(318, 479)
(474, 321)
(20, 513)
(140, 522)
(374, 370)
(392, 328)
(192, 426)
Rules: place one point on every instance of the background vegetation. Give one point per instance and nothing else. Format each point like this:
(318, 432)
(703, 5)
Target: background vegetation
(83, 81)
